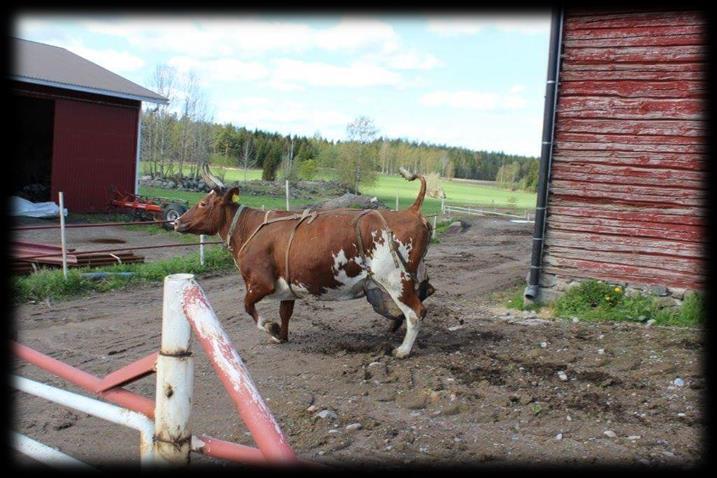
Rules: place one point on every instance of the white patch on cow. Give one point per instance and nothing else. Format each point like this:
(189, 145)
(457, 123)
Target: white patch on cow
(350, 287)
(282, 291)
(381, 262)
(421, 273)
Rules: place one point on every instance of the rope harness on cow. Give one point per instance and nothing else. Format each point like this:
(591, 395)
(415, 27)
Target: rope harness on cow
(308, 216)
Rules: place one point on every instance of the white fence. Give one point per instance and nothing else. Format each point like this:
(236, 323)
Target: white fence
(165, 435)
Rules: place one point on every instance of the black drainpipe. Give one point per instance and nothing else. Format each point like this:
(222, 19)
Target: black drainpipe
(546, 153)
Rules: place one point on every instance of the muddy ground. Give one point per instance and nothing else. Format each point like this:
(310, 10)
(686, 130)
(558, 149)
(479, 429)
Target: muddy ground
(483, 384)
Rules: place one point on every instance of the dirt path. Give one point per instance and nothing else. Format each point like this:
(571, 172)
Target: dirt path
(482, 384)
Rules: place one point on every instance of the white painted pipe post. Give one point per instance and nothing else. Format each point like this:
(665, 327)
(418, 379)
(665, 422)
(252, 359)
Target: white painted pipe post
(175, 378)
(287, 194)
(201, 249)
(106, 411)
(433, 233)
(45, 454)
(396, 200)
(62, 235)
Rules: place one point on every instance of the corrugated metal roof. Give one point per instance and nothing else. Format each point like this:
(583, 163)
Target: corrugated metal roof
(49, 65)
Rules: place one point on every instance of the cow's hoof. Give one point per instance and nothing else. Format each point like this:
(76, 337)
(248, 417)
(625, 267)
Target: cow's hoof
(400, 353)
(274, 330)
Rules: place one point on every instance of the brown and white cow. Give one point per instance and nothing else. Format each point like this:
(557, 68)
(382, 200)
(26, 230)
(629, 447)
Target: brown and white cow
(324, 256)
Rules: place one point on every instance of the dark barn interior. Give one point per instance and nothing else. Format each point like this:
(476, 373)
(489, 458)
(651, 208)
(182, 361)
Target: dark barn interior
(33, 147)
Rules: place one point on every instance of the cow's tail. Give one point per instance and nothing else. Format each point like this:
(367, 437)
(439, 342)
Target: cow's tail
(416, 206)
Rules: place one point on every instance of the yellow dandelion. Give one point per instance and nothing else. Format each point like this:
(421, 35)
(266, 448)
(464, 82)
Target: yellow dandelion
(618, 290)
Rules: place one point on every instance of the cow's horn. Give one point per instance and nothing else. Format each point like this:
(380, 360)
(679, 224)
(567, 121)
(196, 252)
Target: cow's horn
(211, 180)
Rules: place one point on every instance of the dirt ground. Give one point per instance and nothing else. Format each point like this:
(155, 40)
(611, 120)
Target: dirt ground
(482, 385)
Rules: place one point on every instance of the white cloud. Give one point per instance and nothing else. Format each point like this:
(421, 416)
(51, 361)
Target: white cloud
(212, 36)
(476, 100)
(356, 74)
(527, 23)
(284, 116)
(220, 70)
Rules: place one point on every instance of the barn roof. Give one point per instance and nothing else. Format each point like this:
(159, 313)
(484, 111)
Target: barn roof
(49, 65)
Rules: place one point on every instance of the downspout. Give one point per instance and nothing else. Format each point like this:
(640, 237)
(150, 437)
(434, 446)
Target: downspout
(546, 153)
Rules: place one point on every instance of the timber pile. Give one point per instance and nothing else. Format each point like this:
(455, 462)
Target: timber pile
(24, 260)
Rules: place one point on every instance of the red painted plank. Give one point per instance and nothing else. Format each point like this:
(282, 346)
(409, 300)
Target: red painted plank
(665, 218)
(562, 145)
(634, 89)
(628, 33)
(587, 72)
(655, 54)
(620, 273)
(680, 40)
(695, 128)
(678, 144)
(667, 160)
(617, 243)
(624, 108)
(638, 193)
(596, 226)
(591, 169)
(600, 204)
(634, 20)
(628, 177)
(656, 263)
(568, 65)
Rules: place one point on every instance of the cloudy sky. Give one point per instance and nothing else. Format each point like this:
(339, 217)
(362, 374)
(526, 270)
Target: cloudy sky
(476, 80)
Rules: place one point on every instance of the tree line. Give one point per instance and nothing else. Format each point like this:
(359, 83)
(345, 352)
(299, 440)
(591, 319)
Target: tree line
(178, 140)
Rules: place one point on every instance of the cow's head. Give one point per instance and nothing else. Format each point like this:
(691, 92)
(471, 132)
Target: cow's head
(209, 214)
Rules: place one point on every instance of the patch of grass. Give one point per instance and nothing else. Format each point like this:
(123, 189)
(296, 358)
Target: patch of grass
(598, 300)
(441, 227)
(49, 283)
(516, 300)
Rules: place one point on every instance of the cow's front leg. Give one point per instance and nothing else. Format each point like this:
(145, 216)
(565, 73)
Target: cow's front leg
(286, 308)
(257, 289)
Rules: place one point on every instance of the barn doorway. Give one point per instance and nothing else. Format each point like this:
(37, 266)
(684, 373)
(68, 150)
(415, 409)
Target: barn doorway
(33, 147)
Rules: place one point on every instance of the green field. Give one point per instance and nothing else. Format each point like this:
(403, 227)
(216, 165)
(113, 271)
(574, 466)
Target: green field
(385, 188)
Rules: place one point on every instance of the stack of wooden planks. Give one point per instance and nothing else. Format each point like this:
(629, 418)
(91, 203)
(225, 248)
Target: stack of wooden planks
(25, 260)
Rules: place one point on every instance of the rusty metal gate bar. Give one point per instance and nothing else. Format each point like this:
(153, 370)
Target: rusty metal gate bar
(168, 440)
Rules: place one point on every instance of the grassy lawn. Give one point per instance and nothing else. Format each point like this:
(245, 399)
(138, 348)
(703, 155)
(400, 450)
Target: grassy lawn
(458, 193)
(385, 188)
(268, 202)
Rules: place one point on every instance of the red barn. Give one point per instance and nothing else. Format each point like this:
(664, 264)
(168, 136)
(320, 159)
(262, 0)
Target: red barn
(78, 126)
(622, 190)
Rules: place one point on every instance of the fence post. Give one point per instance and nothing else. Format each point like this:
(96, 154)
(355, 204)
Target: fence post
(201, 249)
(433, 233)
(62, 235)
(443, 205)
(396, 200)
(287, 194)
(175, 378)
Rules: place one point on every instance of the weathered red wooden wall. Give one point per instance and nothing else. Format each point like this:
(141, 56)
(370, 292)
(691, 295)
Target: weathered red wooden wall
(94, 148)
(627, 194)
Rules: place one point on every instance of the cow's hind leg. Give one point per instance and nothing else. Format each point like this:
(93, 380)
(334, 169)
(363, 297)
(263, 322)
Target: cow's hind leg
(257, 288)
(413, 311)
(286, 308)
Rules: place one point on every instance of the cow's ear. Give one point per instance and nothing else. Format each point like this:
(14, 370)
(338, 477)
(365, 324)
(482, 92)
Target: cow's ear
(229, 195)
